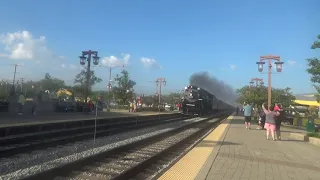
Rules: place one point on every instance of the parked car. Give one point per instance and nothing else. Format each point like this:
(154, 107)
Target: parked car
(288, 117)
(4, 106)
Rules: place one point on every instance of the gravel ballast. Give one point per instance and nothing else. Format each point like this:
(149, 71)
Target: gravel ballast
(27, 164)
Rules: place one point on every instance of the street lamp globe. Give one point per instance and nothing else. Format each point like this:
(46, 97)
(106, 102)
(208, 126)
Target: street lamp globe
(164, 82)
(279, 66)
(96, 60)
(260, 66)
(82, 60)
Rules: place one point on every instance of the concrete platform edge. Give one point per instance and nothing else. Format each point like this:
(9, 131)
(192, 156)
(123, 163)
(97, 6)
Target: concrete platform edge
(203, 173)
(70, 119)
(301, 137)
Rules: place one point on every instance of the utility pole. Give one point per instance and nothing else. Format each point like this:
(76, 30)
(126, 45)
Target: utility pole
(21, 84)
(13, 87)
(14, 75)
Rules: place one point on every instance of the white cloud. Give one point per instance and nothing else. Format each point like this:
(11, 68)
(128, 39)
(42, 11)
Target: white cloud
(63, 66)
(69, 66)
(22, 45)
(24, 48)
(232, 66)
(150, 63)
(292, 63)
(113, 61)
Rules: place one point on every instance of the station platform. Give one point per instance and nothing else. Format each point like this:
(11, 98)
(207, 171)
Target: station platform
(232, 152)
(9, 120)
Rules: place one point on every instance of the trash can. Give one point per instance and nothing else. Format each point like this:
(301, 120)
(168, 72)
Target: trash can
(310, 126)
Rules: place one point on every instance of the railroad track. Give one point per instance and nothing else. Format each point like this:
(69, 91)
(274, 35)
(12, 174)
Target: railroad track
(13, 145)
(142, 159)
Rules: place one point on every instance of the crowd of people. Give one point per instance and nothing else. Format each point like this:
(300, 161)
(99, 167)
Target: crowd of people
(268, 119)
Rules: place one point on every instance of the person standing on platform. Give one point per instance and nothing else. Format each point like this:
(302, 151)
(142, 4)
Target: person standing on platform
(278, 121)
(262, 120)
(247, 115)
(130, 107)
(134, 106)
(21, 102)
(270, 124)
(36, 100)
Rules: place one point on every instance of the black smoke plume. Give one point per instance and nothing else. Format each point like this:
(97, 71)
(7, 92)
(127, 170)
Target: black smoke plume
(214, 86)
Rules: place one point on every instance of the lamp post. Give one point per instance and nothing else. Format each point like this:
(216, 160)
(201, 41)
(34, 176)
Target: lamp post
(278, 64)
(256, 80)
(83, 60)
(159, 82)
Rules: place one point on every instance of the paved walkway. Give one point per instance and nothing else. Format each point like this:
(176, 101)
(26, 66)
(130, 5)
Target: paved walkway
(246, 154)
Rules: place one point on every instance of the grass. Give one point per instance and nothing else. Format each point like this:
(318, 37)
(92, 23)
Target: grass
(314, 134)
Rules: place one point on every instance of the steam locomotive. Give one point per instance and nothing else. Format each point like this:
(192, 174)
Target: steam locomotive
(196, 100)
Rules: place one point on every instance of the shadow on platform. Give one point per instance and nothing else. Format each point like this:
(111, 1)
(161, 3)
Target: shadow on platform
(291, 140)
(288, 131)
(208, 143)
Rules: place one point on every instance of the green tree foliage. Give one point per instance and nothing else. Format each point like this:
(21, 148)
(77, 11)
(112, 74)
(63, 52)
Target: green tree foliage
(314, 68)
(173, 98)
(124, 91)
(4, 89)
(50, 83)
(81, 80)
(259, 95)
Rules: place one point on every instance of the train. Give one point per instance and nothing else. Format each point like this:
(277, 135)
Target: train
(198, 101)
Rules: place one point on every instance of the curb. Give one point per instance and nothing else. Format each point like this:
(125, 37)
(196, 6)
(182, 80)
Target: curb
(302, 137)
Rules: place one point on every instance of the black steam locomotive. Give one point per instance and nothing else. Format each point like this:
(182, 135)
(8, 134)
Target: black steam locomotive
(196, 100)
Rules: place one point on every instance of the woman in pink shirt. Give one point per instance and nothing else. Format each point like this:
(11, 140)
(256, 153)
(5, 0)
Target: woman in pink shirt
(270, 124)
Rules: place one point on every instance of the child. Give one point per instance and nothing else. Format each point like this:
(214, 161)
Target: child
(262, 120)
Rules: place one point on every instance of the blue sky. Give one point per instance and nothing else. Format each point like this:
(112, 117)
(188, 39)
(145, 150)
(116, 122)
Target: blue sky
(181, 36)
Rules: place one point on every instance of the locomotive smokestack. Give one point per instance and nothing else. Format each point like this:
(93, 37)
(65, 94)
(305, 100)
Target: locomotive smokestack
(214, 86)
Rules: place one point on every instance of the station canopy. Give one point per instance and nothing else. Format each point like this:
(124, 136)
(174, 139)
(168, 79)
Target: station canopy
(307, 103)
(306, 100)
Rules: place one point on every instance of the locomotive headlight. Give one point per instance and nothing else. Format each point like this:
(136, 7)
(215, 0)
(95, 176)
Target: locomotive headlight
(198, 88)
(190, 94)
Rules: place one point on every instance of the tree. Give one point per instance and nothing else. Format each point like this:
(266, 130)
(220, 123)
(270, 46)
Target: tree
(255, 95)
(124, 91)
(314, 68)
(81, 80)
(149, 100)
(172, 98)
(259, 95)
(50, 83)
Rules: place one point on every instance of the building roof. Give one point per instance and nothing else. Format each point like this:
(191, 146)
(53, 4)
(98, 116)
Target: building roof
(306, 97)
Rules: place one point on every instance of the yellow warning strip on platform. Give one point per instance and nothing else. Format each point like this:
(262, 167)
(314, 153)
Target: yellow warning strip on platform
(190, 164)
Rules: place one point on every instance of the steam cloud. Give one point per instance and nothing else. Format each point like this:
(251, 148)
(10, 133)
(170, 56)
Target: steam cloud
(214, 86)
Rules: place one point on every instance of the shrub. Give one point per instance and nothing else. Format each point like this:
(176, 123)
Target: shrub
(314, 134)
